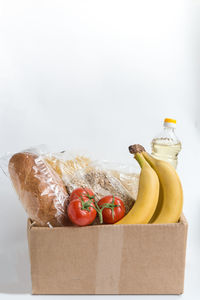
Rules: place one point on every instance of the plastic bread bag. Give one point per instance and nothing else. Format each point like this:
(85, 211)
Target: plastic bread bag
(40, 189)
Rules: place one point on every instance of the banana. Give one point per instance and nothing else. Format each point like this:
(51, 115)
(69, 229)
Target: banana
(148, 192)
(159, 205)
(170, 202)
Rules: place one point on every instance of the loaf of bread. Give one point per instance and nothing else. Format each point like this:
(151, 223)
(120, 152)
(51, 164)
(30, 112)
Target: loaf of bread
(40, 189)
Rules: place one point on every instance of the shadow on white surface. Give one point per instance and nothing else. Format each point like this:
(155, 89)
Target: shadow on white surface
(15, 270)
(14, 257)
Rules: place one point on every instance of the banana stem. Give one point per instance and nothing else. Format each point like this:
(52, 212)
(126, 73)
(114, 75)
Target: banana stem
(140, 159)
(138, 151)
(148, 157)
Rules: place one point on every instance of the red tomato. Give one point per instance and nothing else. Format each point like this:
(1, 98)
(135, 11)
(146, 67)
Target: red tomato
(81, 192)
(112, 215)
(81, 211)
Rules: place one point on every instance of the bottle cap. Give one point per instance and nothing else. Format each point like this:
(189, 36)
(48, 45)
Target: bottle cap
(170, 123)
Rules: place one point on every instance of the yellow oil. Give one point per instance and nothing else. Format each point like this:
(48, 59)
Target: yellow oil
(164, 149)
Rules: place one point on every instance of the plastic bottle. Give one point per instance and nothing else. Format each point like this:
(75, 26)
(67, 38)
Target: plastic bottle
(166, 146)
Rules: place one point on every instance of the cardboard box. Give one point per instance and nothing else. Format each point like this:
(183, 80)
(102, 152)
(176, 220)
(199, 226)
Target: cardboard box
(108, 259)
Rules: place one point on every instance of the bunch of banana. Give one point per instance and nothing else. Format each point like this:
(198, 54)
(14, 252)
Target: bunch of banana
(160, 194)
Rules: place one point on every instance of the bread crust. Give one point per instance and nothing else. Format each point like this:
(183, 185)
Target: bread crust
(40, 189)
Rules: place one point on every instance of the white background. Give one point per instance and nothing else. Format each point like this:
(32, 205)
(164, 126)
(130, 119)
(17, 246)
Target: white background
(97, 76)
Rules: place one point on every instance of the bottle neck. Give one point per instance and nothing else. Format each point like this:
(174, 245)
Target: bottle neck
(169, 132)
(169, 129)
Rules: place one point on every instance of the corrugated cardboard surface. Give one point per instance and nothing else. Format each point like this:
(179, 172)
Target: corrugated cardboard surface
(108, 259)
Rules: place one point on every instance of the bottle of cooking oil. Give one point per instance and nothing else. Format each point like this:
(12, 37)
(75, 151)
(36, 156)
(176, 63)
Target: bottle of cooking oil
(166, 146)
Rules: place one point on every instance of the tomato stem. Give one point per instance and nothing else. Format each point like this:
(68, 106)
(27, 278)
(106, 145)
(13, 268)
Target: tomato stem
(99, 210)
(105, 205)
(85, 204)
